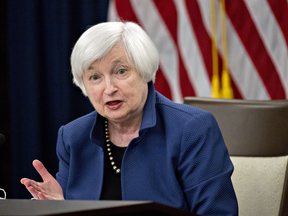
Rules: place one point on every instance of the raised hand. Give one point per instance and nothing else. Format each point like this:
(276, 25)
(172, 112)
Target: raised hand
(49, 189)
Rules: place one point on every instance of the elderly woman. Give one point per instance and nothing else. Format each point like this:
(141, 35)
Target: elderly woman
(137, 144)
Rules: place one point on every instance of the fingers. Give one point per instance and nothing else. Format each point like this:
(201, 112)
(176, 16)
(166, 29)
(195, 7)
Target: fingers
(30, 187)
(23, 180)
(48, 189)
(36, 189)
(33, 192)
(26, 181)
(42, 196)
(37, 194)
(46, 176)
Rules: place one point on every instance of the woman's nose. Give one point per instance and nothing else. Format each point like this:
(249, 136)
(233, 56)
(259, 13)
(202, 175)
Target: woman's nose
(110, 87)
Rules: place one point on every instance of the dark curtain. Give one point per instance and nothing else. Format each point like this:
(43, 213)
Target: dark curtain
(4, 100)
(42, 97)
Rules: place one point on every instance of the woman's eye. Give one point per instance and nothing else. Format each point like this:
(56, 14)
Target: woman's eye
(121, 71)
(94, 77)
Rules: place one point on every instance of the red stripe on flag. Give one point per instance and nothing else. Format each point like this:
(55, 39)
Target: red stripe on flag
(169, 14)
(236, 93)
(161, 84)
(255, 47)
(126, 12)
(280, 11)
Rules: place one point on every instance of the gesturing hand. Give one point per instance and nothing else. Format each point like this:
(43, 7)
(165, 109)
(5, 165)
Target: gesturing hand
(49, 189)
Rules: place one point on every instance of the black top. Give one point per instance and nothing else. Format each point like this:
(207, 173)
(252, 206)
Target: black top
(111, 189)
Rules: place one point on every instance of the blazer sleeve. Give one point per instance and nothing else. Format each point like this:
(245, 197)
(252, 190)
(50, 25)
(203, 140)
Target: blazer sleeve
(64, 157)
(205, 168)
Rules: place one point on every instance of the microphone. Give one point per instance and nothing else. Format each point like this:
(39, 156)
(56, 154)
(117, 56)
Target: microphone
(2, 139)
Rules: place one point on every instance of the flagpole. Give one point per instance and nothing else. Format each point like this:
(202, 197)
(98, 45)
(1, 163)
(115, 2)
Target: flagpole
(226, 90)
(215, 76)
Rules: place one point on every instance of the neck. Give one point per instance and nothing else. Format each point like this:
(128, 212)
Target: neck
(122, 133)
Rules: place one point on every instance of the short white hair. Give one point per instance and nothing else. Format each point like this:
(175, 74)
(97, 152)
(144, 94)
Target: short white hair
(97, 41)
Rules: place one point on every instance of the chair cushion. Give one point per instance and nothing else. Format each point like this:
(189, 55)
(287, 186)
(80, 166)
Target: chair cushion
(258, 183)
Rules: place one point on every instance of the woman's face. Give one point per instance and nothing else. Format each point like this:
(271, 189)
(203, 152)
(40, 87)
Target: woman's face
(115, 88)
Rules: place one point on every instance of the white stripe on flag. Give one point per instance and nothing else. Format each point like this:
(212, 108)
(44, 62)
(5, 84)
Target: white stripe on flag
(190, 52)
(271, 35)
(112, 12)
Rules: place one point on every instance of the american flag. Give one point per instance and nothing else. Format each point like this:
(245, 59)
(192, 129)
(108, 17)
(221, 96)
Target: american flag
(255, 35)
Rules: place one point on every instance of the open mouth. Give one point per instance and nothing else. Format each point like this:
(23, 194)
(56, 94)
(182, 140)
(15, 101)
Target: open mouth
(113, 102)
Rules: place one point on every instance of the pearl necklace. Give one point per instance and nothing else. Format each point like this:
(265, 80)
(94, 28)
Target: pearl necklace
(117, 170)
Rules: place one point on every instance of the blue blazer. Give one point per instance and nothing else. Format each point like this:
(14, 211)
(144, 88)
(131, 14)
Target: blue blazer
(179, 159)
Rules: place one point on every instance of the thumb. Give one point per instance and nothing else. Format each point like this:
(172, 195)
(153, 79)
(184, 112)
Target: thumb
(42, 170)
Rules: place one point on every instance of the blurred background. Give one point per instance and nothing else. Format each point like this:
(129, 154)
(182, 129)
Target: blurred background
(208, 48)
